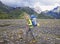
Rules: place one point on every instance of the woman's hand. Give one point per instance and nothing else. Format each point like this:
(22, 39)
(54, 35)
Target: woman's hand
(38, 24)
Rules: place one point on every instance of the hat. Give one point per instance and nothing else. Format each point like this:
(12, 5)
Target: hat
(33, 16)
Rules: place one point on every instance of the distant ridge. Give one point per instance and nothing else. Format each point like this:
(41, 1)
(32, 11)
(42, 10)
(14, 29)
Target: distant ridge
(7, 12)
(55, 13)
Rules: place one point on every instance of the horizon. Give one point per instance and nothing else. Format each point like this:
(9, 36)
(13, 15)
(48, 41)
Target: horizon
(39, 4)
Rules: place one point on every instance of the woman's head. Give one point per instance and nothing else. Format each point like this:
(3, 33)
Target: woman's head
(27, 16)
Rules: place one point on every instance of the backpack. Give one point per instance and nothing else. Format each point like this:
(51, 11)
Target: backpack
(34, 22)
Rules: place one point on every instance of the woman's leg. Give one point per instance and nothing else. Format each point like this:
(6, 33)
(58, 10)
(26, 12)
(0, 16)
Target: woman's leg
(31, 33)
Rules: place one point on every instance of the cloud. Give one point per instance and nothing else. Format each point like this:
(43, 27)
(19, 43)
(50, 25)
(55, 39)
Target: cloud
(48, 4)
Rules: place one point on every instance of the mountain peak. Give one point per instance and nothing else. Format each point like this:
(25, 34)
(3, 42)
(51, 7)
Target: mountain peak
(37, 9)
(1, 3)
(56, 9)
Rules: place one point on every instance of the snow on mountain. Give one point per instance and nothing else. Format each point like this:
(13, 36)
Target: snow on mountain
(37, 9)
(55, 12)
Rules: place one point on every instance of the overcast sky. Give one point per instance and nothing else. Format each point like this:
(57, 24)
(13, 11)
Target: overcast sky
(41, 4)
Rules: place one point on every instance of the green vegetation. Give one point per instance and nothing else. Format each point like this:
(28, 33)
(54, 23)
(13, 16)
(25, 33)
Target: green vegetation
(14, 13)
(7, 12)
(42, 16)
(3, 15)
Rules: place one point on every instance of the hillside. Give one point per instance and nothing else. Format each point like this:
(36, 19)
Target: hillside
(7, 12)
(55, 12)
(43, 16)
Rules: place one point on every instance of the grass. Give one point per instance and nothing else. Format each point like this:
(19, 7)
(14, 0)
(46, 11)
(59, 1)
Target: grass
(58, 36)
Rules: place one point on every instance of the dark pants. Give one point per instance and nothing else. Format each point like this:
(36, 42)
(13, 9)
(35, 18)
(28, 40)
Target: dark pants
(30, 33)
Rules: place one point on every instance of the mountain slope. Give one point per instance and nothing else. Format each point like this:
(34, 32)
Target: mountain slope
(7, 12)
(55, 13)
(12, 12)
(4, 8)
(43, 16)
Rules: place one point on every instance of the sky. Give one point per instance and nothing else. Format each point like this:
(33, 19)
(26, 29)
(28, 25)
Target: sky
(39, 4)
